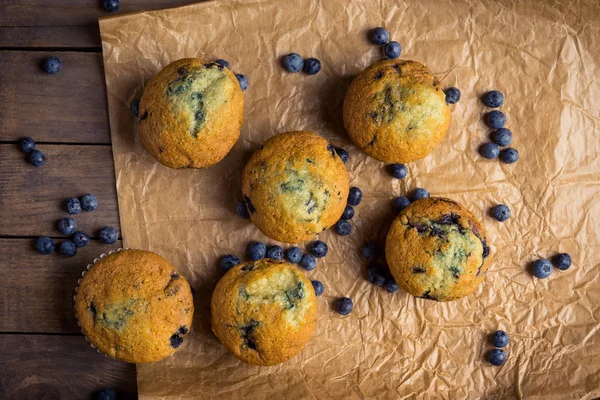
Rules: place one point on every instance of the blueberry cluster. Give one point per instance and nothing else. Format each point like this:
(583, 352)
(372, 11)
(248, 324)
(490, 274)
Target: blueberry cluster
(378, 274)
(497, 356)
(293, 62)
(343, 227)
(401, 202)
(542, 268)
(380, 36)
(36, 157)
(501, 137)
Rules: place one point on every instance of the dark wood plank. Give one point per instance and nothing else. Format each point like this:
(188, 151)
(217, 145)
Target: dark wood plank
(69, 107)
(59, 367)
(38, 37)
(36, 292)
(31, 199)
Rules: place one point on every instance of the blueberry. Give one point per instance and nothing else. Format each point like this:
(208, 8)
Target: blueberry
(89, 202)
(293, 254)
(106, 394)
(343, 154)
(242, 210)
(355, 196)
(256, 251)
(509, 155)
(293, 62)
(111, 5)
(37, 158)
(501, 212)
(135, 108)
(52, 65)
(343, 227)
(243, 81)
(275, 252)
(562, 261)
(311, 66)
(500, 339)
(497, 357)
(229, 261)
(493, 99)
(44, 245)
(489, 150)
(419, 194)
(391, 286)
(318, 286)
(398, 171)
(452, 95)
(392, 49)
(343, 306)
(108, 235)
(502, 137)
(401, 203)
(27, 145)
(318, 248)
(379, 36)
(73, 205)
(348, 213)
(224, 63)
(67, 248)
(81, 239)
(542, 268)
(370, 251)
(308, 262)
(376, 274)
(67, 226)
(495, 119)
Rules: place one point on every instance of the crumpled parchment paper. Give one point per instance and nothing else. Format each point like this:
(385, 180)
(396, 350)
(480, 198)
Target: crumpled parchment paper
(545, 57)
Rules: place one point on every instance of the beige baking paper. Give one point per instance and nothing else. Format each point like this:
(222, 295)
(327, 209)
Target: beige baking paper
(545, 58)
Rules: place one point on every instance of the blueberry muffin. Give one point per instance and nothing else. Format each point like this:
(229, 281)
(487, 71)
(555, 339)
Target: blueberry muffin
(395, 111)
(264, 311)
(436, 249)
(133, 306)
(295, 186)
(191, 113)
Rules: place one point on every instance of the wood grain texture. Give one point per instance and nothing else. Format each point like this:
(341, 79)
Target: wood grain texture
(32, 199)
(59, 367)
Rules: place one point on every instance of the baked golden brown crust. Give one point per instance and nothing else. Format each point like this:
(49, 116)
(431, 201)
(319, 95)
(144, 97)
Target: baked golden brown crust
(436, 249)
(191, 113)
(395, 111)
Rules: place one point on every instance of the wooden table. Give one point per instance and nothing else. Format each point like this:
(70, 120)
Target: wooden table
(42, 352)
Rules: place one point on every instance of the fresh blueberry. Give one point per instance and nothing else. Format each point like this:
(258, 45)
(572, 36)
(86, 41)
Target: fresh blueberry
(52, 65)
(318, 248)
(392, 49)
(401, 203)
(81, 239)
(275, 252)
(311, 66)
(308, 262)
(509, 155)
(293, 62)
(542, 268)
(398, 171)
(500, 339)
(243, 81)
(224, 63)
(562, 261)
(106, 394)
(27, 145)
(493, 99)
(497, 357)
(419, 194)
(501, 212)
(355, 196)
(318, 286)
(489, 150)
(135, 108)
(108, 235)
(229, 261)
(44, 245)
(89, 202)
(343, 154)
(343, 306)
(502, 137)
(348, 213)
(379, 36)
(452, 95)
(376, 274)
(256, 251)
(111, 5)
(67, 248)
(37, 158)
(495, 119)
(391, 286)
(73, 205)
(67, 226)
(343, 227)
(293, 254)
(242, 210)
(370, 251)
